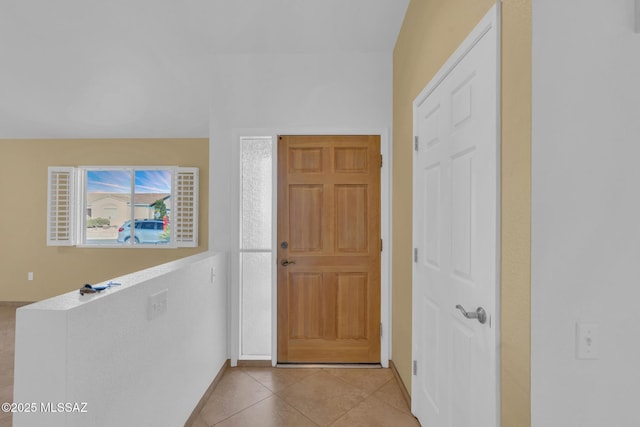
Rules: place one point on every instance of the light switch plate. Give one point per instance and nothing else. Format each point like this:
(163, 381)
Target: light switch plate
(157, 304)
(587, 341)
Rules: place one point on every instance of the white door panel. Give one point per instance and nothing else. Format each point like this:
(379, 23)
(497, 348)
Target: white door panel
(455, 234)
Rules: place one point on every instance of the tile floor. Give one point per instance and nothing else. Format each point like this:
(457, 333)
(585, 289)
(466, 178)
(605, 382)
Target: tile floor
(279, 397)
(306, 397)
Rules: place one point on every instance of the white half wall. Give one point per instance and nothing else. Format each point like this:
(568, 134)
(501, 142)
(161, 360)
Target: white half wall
(104, 350)
(585, 210)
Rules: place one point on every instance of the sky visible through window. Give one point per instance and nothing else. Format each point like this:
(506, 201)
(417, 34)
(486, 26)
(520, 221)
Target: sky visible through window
(119, 181)
(112, 205)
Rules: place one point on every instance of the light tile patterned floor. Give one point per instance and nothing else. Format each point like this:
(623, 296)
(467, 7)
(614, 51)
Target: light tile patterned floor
(262, 397)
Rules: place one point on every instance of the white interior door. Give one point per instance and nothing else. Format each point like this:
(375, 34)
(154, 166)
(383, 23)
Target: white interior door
(455, 232)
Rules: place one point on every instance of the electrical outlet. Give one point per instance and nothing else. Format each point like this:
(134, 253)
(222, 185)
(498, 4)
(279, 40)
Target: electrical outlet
(587, 341)
(157, 304)
(30, 275)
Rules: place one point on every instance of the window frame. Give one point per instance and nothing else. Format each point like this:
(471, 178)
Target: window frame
(244, 250)
(70, 217)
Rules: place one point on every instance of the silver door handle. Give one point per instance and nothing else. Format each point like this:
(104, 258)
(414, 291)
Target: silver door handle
(285, 262)
(479, 314)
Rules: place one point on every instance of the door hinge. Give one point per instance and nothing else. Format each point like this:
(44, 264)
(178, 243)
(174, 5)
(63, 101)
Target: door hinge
(381, 161)
(416, 144)
(380, 329)
(415, 254)
(415, 367)
(381, 245)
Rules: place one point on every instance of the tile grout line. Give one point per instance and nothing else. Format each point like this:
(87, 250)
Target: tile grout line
(370, 395)
(359, 388)
(299, 381)
(326, 372)
(261, 400)
(359, 402)
(285, 388)
(377, 399)
(242, 410)
(273, 394)
(277, 395)
(354, 406)
(297, 410)
(237, 412)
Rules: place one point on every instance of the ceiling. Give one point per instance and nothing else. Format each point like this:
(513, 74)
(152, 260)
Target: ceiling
(87, 68)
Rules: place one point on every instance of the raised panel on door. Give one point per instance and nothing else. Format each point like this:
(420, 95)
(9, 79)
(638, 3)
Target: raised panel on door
(432, 208)
(352, 218)
(431, 360)
(309, 300)
(306, 207)
(462, 382)
(351, 159)
(462, 219)
(305, 160)
(329, 217)
(351, 306)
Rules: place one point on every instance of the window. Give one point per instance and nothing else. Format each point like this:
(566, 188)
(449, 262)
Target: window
(96, 206)
(256, 159)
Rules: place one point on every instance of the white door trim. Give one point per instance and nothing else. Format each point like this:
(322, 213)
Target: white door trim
(492, 20)
(385, 234)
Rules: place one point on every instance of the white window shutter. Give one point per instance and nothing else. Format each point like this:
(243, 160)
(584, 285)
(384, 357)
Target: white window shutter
(185, 217)
(61, 206)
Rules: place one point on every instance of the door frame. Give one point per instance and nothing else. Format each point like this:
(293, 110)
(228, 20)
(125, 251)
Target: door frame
(385, 234)
(492, 19)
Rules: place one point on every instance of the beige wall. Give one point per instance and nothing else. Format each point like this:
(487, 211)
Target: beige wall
(23, 180)
(432, 30)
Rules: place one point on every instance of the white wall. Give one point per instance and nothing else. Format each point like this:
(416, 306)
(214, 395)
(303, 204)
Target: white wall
(141, 69)
(102, 349)
(288, 93)
(284, 92)
(586, 205)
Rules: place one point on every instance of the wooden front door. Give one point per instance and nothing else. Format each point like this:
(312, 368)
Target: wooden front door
(329, 249)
